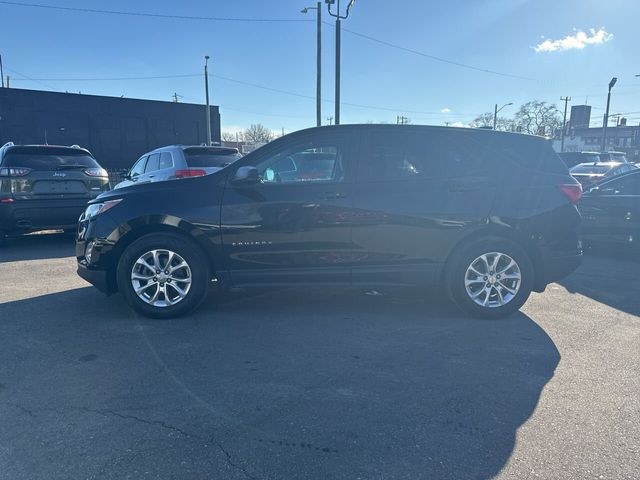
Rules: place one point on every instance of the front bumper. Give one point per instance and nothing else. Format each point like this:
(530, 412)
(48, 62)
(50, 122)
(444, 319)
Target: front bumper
(97, 278)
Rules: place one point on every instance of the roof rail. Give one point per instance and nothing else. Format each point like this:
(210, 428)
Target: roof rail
(75, 146)
(9, 144)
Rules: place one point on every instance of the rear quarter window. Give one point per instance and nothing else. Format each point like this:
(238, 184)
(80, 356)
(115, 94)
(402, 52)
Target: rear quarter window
(530, 153)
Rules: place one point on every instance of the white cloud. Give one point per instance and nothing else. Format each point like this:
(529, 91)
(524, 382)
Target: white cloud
(575, 42)
(458, 124)
(445, 110)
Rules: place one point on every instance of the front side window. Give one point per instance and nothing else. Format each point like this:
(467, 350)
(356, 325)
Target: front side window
(138, 168)
(309, 163)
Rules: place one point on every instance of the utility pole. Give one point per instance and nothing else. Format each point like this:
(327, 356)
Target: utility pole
(206, 90)
(318, 9)
(1, 72)
(606, 115)
(338, 18)
(566, 100)
(330, 120)
(175, 97)
(402, 120)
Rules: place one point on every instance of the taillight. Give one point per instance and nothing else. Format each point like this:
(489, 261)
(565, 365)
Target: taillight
(14, 171)
(573, 191)
(96, 172)
(190, 173)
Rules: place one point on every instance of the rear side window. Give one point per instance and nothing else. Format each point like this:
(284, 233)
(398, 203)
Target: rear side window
(166, 160)
(406, 153)
(49, 159)
(152, 163)
(203, 157)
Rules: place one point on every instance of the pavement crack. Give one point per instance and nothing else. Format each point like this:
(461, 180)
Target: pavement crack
(232, 463)
(158, 423)
(135, 418)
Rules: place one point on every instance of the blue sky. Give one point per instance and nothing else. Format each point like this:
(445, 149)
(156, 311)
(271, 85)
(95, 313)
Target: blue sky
(498, 35)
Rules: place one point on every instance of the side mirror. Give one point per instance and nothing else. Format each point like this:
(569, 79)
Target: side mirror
(246, 175)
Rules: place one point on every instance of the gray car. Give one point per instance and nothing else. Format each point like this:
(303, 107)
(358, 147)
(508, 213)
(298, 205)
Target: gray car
(178, 161)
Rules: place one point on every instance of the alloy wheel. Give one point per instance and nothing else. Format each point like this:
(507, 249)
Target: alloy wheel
(493, 280)
(161, 278)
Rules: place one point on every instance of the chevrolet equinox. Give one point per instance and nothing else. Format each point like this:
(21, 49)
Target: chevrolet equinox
(486, 216)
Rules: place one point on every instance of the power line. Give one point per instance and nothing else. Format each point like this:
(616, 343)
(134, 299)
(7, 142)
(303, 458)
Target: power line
(240, 82)
(281, 20)
(432, 57)
(152, 15)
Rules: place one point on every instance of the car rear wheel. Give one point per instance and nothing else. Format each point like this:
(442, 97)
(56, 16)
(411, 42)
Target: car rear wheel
(490, 278)
(163, 275)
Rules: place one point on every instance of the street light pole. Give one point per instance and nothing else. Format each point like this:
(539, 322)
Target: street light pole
(496, 110)
(318, 9)
(206, 90)
(605, 122)
(338, 18)
(564, 121)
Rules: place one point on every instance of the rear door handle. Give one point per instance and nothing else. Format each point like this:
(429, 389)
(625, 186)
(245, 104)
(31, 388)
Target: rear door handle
(331, 196)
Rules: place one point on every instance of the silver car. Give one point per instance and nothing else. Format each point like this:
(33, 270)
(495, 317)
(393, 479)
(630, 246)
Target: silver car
(178, 161)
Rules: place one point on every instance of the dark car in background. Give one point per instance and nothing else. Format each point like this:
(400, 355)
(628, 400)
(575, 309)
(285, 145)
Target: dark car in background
(589, 174)
(485, 216)
(45, 187)
(611, 211)
(179, 161)
(571, 159)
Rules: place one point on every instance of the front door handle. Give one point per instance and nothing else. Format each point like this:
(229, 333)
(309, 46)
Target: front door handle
(331, 196)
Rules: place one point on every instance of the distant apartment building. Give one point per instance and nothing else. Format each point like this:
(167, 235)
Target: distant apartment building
(580, 137)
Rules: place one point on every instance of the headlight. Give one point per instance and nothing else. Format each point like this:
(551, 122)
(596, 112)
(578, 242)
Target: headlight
(96, 209)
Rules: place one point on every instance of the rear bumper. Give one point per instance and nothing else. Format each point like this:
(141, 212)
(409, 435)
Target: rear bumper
(28, 215)
(557, 267)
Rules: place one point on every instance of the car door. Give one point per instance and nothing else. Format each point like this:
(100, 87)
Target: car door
(293, 225)
(150, 169)
(611, 211)
(165, 167)
(416, 193)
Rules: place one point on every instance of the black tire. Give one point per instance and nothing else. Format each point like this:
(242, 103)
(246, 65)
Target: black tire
(185, 248)
(457, 273)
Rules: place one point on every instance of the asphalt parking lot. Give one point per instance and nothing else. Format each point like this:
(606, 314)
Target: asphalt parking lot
(315, 383)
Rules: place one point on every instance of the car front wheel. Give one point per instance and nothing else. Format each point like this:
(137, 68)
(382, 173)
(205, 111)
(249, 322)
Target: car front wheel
(163, 275)
(491, 278)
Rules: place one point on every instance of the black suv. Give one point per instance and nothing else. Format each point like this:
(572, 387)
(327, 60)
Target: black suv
(490, 216)
(46, 187)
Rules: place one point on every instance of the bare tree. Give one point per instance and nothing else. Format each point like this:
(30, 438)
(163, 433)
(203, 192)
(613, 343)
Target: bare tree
(258, 133)
(232, 136)
(538, 118)
(486, 121)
